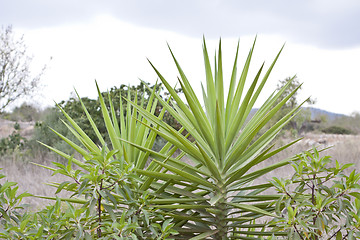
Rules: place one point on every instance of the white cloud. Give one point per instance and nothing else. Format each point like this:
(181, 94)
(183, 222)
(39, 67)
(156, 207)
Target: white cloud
(115, 52)
(326, 24)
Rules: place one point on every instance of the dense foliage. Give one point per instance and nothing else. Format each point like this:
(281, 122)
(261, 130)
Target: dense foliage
(13, 142)
(52, 118)
(320, 201)
(336, 130)
(351, 122)
(300, 123)
(201, 184)
(108, 220)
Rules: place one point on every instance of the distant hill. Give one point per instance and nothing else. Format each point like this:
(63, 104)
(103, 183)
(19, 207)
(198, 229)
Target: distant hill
(316, 113)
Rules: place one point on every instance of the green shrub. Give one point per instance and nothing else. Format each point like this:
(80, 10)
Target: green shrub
(319, 201)
(99, 216)
(120, 188)
(336, 130)
(13, 220)
(52, 118)
(13, 142)
(25, 112)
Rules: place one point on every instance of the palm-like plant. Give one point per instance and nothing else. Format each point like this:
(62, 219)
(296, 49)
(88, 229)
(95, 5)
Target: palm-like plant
(104, 182)
(212, 197)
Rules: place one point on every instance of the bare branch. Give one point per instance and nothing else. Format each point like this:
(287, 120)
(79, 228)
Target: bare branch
(16, 79)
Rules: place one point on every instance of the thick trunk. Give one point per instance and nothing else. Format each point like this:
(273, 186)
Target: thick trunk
(221, 222)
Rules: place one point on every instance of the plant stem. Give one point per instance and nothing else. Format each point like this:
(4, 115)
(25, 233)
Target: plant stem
(334, 234)
(99, 211)
(221, 222)
(297, 231)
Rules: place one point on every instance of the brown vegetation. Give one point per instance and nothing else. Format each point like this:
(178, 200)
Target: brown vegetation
(33, 179)
(7, 127)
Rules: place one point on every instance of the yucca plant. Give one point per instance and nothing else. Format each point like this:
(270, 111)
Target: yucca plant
(212, 195)
(103, 185)
(209, 196)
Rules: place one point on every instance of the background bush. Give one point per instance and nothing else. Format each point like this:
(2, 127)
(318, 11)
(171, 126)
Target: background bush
(336, 130)
(121, 189)
(319, 201)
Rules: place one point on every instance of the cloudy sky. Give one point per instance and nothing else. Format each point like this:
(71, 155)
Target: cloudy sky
(110, 41)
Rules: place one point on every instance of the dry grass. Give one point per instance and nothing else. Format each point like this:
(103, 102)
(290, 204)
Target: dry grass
(344, 148)
(32, 178)
(7, 127)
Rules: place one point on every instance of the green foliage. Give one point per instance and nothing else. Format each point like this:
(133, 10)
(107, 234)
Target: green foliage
(109, 208)
(344, 124)
(121, 188)
(210, 196)
(105, 201)
(42, 132)
(24, 112)
(13, 142)
(98, 216)
(12, 219)
(299, 123)
(293, 100)
(336, 130)
(52, 118)
(351, 122)
(106, 181)
(319, 201)
(74, 108)
(17, 126)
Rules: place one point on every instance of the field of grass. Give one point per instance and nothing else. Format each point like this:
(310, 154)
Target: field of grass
(30, 178)
(344, 148)
(33, 179)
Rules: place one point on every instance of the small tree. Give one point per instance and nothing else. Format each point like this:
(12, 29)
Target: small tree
(320, 201)
(16, 80)
(73, 106)
(297, 124)
(25, 112)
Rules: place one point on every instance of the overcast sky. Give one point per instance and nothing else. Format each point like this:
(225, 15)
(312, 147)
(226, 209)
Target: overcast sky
(110, 40)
